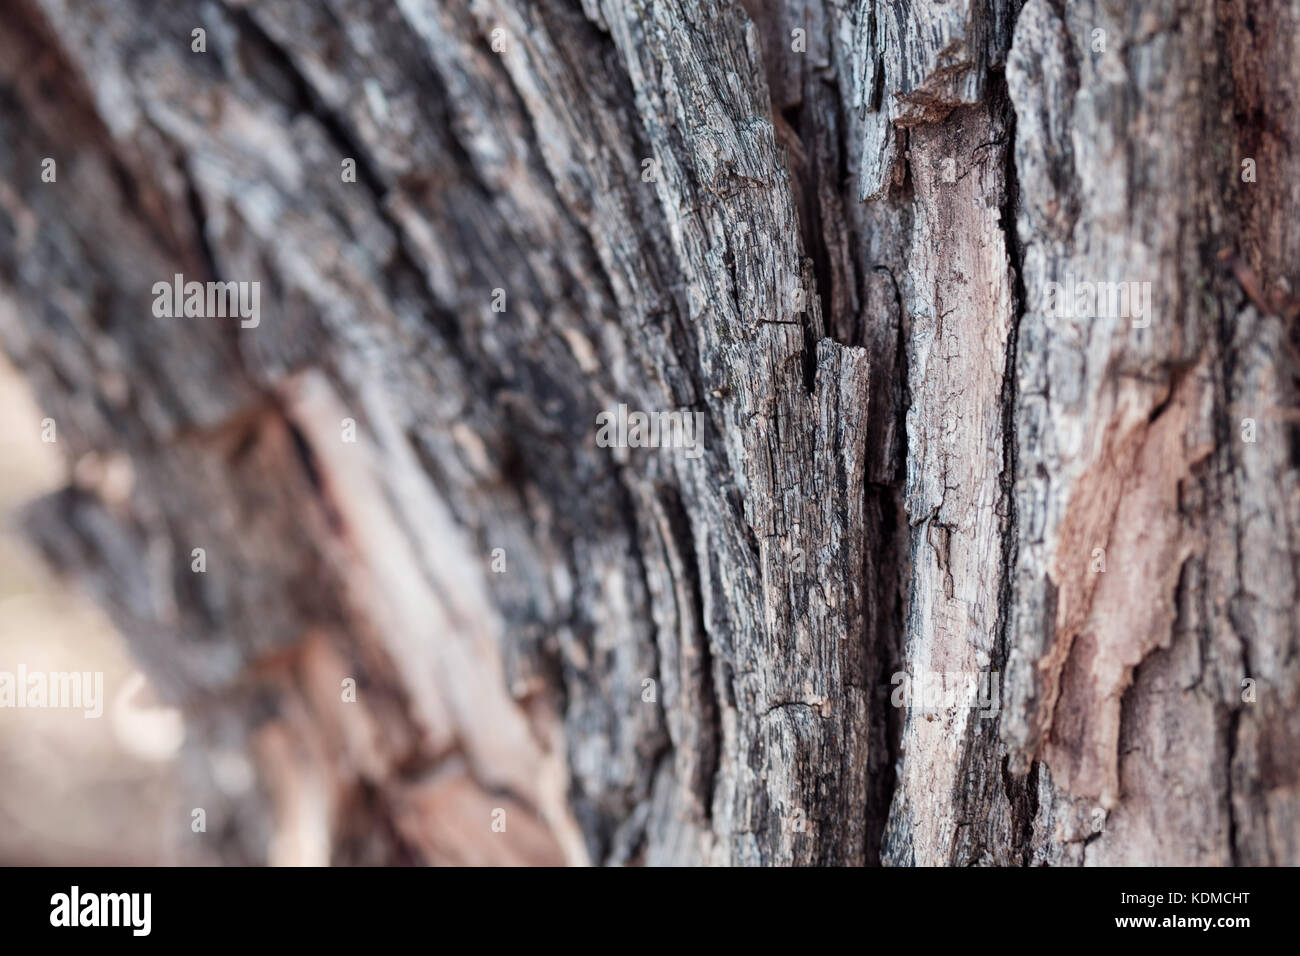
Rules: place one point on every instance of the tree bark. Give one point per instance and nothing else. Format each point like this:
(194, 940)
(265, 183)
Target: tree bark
(833, 229)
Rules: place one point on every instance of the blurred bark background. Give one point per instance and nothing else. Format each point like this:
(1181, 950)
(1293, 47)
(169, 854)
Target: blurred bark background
(73, 790)
(828, 226)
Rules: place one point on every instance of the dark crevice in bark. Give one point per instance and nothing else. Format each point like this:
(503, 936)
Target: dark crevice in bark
(1027, 828)
(1245, 124)
(194, 202)
(1233, 724)
(306, 457)
(710, 718)
(1021, 792)
(1001, 101)
(886, 558)
(884, 574)
(269, 53)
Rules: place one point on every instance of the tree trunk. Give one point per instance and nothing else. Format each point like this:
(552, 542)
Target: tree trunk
(851, 237)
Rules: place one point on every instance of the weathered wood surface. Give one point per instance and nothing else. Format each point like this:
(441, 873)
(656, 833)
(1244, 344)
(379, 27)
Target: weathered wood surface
(835, 245)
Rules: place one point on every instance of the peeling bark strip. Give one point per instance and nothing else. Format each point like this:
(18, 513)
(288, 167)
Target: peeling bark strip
(832, 235)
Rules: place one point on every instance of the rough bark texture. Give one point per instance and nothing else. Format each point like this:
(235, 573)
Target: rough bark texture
(828, 226)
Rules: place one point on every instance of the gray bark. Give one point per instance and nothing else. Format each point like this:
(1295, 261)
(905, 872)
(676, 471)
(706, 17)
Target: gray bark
(834, 244)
